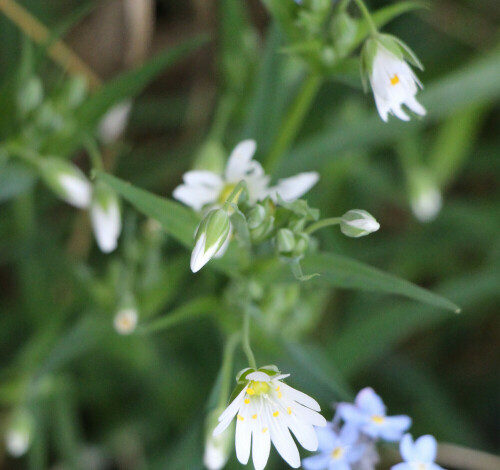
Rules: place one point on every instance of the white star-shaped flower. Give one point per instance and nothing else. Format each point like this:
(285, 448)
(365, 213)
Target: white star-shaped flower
(205, 188)
(267, 410)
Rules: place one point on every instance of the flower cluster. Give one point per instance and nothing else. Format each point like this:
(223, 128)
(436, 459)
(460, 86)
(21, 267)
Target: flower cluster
(352, 445)
(242, 202)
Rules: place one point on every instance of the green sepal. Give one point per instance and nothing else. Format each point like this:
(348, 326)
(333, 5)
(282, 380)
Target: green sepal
(296, 269)
(300, 207)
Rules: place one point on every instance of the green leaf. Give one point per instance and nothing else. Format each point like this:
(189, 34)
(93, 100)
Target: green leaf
(132, 83)
(15, 180)
(339, 271)
(176, 220)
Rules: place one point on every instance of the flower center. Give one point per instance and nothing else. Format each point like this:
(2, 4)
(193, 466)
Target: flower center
(394, 80)
(378, 419)
(337, 453)
(226, 192)
(258, 388)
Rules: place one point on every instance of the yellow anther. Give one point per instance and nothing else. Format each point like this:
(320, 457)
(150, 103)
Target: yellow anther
(247, 401)
(241, 418)
(378, 419)
(250, 391)
(264, 430)
(289, 410)
(276, 414)
(254, 416)
(395, 79)
(280, 395)
(278, 388)
(337, 452)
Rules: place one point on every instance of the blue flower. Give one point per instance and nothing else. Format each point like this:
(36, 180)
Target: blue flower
(418, 455)
(338, 451)
(368, 414)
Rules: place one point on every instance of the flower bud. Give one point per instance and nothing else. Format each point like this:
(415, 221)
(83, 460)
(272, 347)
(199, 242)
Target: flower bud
(67, 181)
(19, 433)
(358, 223)
(106, 217)
(125, 321)
(256, 216)
(30, 96)
(213, 231)
(425, 196)
(285, 241)
(301, 244)
(114, 122)
(217, 448)
(260, 223)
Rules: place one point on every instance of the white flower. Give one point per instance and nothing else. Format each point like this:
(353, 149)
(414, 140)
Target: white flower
(114, 122)
(427, 204)
(125, 321)
(106, 217)
(338, 450)
(369, 414)
(211, 238)
(418, 455)
(392, 80)
(267, 410)
(358, 223)
(202, 187)
(19, 433)
(67, 181)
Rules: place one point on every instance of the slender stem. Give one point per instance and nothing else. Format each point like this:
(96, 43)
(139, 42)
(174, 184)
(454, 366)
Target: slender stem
(293, 121)
(227, 368)
(59, 52)
(94, 154)
(366, 13)
(246, 340)
(323, 223)
(343, 4)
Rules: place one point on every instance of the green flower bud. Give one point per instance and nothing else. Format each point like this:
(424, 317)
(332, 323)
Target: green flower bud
(30, 95)
(106, 217)
(358, 223)
(301, 244)
(19, 433)
(285, 241)
(211, 235)
(67, 181)
(217, 448)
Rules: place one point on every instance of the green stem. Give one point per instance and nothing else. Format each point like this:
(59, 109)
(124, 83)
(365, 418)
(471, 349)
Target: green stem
(293, 121)
(323, 223)
(19, 151)
(94, 154)
(366, 13)
(246, 340)
(227, 368)
(235, 194)
(343, 4)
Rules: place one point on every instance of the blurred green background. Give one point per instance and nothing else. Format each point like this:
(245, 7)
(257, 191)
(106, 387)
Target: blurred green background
(104, 401)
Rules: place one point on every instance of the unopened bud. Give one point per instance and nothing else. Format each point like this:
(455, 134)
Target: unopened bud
(19, 433)
(425, 196)
(358, 223)
(67, 181)
(30, 96)
(114, 122)
(211, 235)
(301, 244)
(217, 448)
(106, 217)
(285, 240)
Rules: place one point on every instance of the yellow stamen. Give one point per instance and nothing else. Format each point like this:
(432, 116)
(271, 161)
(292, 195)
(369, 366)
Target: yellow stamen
(395, 79)
(254, 416)
(260, 388)
(378, 419)
(247, 401)
(278, 388)
(289, 410)
(241, 418)
(264, 430)
(280, 395)
(276, 414)
(337, 452)
(250, 391)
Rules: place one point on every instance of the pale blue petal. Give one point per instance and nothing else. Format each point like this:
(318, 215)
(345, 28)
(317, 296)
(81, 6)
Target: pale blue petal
(426, 447)
(326, 438)
(349, 413)
(339, 465)
(355, 453)
(349, 434)
(369, 402)
(402, 466)
(316, 462)
(407, 449)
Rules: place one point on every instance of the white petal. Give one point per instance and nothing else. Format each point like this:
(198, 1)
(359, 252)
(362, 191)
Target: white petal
(238, 162)
(196, 196)
(78, 191)
(309, 416)
(114, 122)
(294, 187)
(300, 397)
(232, 409)
(200, 255)
(259, 377)
(107, 225)
(213, 457)
(415, 106)
(261, 442)
(304, 432)
(243, 436)
(282, 439)
(203, 178)
(398, 112)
